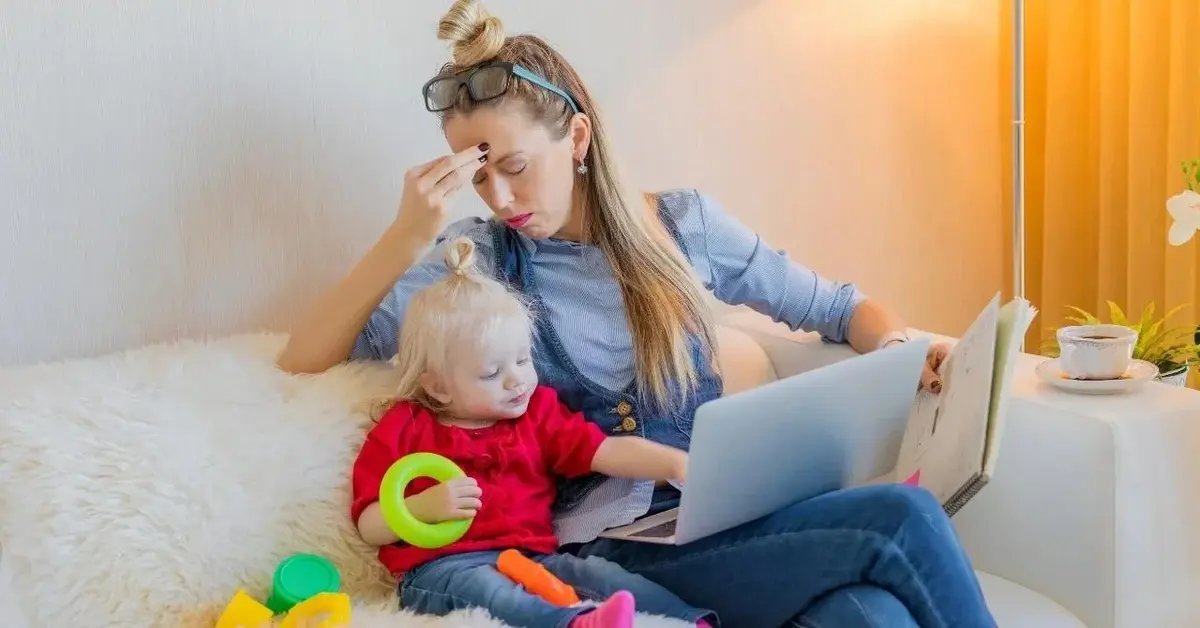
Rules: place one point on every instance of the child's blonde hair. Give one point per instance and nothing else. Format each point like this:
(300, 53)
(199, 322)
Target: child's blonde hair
(464, 307)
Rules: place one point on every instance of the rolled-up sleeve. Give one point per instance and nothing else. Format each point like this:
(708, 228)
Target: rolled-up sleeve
(380, 337)
(742, 269)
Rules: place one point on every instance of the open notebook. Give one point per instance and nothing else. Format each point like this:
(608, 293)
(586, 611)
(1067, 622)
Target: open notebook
(952, 439)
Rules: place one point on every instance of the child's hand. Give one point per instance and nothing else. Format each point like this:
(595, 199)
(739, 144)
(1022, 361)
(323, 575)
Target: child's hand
(680, 467)
(456, 499)
(640, 459)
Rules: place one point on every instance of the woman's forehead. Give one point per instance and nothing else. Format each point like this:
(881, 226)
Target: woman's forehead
(499, 127)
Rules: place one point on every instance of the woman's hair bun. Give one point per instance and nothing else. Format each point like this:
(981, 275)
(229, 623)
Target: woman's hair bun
(476, 35)
(460, 256)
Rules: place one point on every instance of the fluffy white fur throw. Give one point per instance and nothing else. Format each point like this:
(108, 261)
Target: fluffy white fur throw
(144, 488)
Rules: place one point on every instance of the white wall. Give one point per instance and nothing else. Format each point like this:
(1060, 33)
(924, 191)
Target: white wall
(186, 168)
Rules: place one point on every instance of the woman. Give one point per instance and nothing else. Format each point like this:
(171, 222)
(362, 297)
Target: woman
(617, 280)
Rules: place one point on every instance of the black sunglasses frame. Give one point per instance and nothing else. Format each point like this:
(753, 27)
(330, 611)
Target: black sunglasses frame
(466, 79)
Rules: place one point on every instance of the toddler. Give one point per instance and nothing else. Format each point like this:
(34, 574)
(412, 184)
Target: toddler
(468, 391)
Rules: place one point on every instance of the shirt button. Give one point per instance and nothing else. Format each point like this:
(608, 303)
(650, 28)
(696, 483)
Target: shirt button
(624, 409)
(627, 424)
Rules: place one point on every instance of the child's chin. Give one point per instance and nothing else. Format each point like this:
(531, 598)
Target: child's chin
(514, 412)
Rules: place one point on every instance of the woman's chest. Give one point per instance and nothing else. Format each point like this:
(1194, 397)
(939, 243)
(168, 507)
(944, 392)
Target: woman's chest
(584, 307)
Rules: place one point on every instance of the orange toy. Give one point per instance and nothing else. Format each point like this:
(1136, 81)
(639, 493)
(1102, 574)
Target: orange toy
(535, 578)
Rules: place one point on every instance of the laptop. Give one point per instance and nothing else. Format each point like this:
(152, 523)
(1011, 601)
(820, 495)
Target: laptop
(757, 451)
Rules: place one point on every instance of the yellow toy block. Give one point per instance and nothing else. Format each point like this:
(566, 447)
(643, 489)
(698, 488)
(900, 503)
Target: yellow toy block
(335, 607)
(244, 611)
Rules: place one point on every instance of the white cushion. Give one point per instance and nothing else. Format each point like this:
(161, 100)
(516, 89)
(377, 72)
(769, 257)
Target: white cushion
(1014, 606)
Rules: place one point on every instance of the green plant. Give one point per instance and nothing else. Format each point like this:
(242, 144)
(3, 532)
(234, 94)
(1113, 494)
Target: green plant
(1191, 174)
(1168, 348)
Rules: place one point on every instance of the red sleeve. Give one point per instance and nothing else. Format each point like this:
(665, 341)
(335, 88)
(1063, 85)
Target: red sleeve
(379, 451)
(568, 440)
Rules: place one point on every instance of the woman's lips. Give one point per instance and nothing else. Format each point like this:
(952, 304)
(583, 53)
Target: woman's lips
(516, 222)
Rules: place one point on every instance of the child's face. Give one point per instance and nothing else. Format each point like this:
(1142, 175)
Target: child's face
(494, 379)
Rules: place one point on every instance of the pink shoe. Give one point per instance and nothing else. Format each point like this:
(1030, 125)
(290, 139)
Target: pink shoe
(615, 612)
(703, 623)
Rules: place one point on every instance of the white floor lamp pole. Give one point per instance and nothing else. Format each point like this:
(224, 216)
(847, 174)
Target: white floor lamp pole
(1018, 140)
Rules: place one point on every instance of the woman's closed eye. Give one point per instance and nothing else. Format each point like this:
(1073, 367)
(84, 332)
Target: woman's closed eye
(510, 170)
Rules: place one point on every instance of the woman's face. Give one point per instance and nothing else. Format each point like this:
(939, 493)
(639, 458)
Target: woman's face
(529, 178)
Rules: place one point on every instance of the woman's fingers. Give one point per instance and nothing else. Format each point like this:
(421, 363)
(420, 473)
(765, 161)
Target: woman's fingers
(443, 167)
(930, 379)
(419, 170)
(451, 182)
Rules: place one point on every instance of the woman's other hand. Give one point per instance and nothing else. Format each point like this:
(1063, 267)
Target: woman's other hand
(931, 378)
(427, 189)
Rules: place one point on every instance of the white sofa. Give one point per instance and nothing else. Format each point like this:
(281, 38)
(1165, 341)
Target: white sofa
(1044, 535)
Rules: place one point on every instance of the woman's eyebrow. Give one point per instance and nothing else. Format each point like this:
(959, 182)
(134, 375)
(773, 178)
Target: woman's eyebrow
(515, 153)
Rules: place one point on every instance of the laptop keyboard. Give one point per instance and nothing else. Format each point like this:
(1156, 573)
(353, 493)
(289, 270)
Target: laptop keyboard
(660, 531)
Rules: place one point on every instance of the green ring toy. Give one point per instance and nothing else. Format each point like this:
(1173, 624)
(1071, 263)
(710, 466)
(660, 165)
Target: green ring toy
(396, 514)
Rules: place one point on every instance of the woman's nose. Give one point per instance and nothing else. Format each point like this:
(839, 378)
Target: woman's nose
(497, 194)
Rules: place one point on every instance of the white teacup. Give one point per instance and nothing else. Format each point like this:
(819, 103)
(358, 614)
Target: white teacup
(1096, 351)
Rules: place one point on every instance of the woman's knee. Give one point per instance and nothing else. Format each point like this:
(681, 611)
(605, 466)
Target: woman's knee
(907, 502)
(858, 606)
(888, 507)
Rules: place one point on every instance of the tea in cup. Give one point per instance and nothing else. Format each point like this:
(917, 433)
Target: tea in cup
(1096, 352)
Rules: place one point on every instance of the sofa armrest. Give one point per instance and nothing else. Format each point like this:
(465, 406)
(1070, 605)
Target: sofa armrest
(790, 352)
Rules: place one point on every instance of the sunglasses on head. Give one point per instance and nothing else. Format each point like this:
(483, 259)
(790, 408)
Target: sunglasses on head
(483, 82)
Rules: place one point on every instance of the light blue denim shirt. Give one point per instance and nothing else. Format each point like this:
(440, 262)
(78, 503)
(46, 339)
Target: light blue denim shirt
(583, 302)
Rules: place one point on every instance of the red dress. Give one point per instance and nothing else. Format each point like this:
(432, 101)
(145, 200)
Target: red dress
(516, 463)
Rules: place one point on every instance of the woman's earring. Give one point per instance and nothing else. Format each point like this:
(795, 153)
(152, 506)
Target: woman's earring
(582, 169)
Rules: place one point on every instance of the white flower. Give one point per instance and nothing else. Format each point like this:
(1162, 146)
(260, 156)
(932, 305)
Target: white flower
(1185, 209)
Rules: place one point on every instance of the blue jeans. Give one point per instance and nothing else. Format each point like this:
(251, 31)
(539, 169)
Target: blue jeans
(470, 580)
(874, 556)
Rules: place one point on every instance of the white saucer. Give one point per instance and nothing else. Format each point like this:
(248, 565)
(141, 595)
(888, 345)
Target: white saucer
(1139, 373)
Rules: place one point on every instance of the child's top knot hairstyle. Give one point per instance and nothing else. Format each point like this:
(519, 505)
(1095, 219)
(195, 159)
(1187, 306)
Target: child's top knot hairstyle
(460, 257)
(459, 312)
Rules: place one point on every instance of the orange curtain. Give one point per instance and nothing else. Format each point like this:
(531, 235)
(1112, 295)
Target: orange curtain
(1112, 110)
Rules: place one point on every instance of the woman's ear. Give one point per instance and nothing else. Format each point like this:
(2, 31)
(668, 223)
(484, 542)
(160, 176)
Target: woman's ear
(581, 136)
(434, 388)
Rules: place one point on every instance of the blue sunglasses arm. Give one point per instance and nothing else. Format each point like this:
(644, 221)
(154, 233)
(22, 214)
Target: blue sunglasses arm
(543, 83)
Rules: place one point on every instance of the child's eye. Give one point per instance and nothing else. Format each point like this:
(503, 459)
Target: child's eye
(523, 361)
(493, 375)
